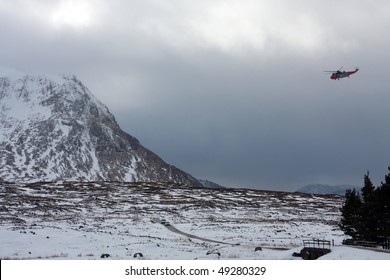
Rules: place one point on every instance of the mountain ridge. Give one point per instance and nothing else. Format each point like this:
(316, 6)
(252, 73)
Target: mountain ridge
(54, 128)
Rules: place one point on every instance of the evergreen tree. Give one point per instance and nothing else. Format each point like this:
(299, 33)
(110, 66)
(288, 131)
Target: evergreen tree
(351, 214)
(368, 189)
(369, 218)
(383, 209)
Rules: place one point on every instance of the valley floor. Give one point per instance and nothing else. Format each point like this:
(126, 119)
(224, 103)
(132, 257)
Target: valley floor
(164, 221)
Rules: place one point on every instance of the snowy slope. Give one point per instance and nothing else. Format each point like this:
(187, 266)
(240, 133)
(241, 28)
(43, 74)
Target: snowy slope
(52, 127)
(66, 220)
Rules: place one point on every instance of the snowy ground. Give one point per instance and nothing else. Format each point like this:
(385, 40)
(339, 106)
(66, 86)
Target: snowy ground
(164, 221)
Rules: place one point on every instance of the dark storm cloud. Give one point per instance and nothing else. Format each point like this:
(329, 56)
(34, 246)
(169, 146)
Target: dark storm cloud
(231, 91)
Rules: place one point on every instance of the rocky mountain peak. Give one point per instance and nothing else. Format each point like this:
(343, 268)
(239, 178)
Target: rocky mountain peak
(53, 128)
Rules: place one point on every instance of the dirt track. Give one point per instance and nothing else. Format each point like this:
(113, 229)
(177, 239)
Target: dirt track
(175, 230)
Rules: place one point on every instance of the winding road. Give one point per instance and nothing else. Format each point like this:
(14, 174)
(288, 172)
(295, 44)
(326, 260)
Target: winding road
(175, 230)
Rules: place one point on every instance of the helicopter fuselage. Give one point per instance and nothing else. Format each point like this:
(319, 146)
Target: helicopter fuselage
(342, 74)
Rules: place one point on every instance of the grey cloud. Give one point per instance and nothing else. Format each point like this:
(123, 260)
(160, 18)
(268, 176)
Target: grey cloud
(229, 91)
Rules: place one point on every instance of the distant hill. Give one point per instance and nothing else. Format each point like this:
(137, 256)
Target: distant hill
(210, 185)
(326, 189)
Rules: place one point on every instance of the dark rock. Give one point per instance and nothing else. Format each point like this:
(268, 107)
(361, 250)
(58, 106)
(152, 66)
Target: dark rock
(138, 255)
(214, 252)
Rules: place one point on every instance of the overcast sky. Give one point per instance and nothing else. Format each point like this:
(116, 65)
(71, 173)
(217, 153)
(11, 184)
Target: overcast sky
(232, 91)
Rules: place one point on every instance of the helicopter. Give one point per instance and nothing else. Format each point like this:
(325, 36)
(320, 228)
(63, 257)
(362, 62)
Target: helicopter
(338, 74)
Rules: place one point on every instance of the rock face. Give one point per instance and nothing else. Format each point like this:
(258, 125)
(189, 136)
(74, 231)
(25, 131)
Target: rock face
(53, 128)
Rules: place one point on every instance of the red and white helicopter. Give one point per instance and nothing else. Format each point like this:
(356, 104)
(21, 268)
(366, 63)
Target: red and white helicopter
(338, 74)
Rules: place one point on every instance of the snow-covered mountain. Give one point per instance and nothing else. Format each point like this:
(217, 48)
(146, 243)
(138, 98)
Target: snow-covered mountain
(53, 128)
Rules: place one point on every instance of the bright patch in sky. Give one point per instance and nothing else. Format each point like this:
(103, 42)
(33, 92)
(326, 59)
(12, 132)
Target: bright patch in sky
(76, 14)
